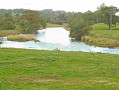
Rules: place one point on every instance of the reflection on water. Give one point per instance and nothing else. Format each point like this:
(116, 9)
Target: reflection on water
(56, 38)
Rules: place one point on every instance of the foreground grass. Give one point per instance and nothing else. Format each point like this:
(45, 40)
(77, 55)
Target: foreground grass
(101, 36)
(55, 70)
(56, 25)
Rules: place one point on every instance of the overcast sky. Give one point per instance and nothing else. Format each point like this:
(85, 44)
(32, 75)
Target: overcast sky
(67, 5)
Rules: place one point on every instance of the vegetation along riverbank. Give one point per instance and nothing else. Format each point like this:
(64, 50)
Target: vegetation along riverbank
(96, 28)
(101, 36)
(22, 38)
(57, 70)
(9, 32)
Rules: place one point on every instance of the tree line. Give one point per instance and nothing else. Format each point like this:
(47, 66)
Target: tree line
(81, 23)
(54, 17)
(29, 21)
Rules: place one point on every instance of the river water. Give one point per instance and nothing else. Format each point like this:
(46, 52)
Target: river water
(56, 39)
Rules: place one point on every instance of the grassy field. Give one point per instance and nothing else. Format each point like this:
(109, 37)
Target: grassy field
(101, 36)
(104, 29)
(55, 70)
(56, 25)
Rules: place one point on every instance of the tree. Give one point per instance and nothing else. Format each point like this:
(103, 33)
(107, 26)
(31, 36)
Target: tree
(43, 22)
(30, 21)
(7, 22)
(108, 15)
(17, 18)
(80, 25)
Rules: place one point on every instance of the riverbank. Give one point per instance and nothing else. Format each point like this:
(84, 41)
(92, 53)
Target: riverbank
(101, 36)
(57, 70)
(56, 25)
(22, 38)
(4, 33)
(14, 35)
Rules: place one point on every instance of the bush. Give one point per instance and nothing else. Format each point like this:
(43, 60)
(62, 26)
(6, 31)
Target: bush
(80, 26)
(22, 38)
(9, 32)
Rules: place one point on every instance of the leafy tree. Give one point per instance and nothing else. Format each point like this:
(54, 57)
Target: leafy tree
(30, 21)
(108, 15)
(79, 25)
(43, 22)
(17, 18)
(7, 22)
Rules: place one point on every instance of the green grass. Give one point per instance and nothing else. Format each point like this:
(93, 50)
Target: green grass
(101, 36)
(56, 25)
(56, 70)
(104, 29)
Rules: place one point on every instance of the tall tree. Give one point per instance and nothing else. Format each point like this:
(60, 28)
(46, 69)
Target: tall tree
(80, 25)
(30, 21)
(108, 14)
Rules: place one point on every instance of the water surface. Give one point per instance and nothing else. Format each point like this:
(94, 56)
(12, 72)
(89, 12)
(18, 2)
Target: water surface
(56, 38)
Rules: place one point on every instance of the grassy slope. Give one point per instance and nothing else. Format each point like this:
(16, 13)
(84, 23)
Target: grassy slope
(101, 36)
(56, 70)
(56, 25)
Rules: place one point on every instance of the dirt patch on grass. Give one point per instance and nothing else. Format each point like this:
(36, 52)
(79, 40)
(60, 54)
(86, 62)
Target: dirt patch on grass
(101, 81)
(91, 82)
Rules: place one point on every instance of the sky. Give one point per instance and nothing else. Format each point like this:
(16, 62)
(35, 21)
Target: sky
(66, 5)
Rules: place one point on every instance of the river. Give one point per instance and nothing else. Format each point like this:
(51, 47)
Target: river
(56, 39)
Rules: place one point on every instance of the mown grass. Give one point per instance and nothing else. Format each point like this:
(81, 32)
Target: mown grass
(9, 32)
(21, 38)
(101, 36)
(56, 70)
(104, 29)
(56, 25)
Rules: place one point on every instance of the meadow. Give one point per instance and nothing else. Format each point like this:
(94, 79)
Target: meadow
(22, 69)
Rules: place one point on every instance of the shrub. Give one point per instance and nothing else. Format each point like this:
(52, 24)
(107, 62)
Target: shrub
(22, 38)
(9, 32)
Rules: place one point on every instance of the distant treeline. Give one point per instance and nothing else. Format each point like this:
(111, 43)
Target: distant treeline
(54, 17)
(27, 22)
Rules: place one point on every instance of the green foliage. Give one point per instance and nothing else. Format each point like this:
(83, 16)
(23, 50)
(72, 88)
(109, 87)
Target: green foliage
(6, 22)
(100, 36)
(43, 22)
(17, 18)
(107, 12)
(56, 25)
(31, 21)
(80, 25)
(56, 17)
(9, 32)
(21, 38)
